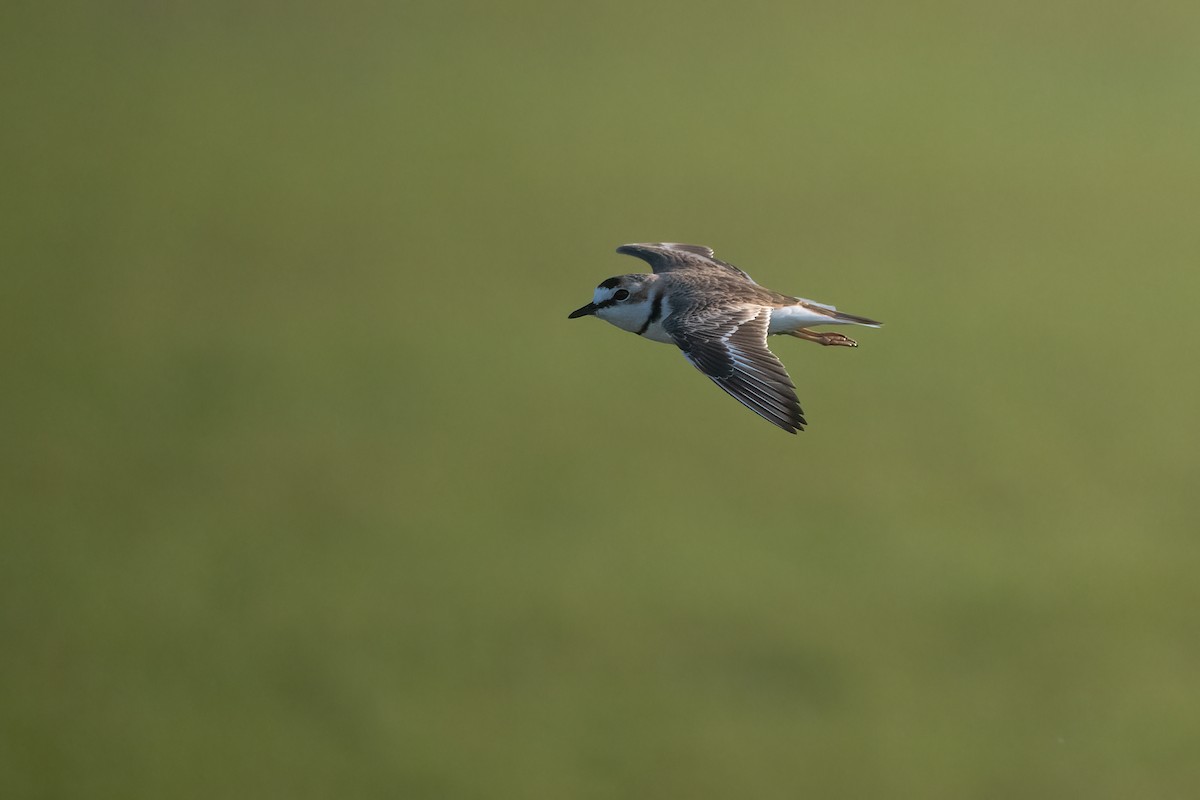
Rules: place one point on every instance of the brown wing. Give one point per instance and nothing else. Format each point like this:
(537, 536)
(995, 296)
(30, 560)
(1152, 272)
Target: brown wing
(729, 345)
(672, 257)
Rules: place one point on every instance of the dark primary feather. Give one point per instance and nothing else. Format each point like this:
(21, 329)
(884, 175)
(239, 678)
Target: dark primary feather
(670, 257)
(729, 345)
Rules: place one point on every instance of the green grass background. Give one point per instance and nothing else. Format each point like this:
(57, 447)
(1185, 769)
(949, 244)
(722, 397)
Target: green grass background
(309, 488)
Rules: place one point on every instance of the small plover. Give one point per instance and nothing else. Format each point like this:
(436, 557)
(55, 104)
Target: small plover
(720, 318)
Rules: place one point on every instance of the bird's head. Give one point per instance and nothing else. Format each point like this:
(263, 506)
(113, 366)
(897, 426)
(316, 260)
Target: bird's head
(624, 301)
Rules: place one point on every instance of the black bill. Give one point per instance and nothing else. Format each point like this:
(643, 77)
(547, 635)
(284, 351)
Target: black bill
(587, 310)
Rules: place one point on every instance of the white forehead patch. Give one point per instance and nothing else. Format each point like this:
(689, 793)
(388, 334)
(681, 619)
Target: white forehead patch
(606, 292)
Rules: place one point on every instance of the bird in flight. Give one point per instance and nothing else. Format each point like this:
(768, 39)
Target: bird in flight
(720, 318)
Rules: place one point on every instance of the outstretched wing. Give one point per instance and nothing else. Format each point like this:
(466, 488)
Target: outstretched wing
(729, 345)
(672, 257)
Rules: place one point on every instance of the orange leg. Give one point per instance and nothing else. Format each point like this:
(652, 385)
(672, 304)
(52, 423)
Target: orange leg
(821, 337)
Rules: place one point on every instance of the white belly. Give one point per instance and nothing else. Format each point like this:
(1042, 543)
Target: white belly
(792, 318)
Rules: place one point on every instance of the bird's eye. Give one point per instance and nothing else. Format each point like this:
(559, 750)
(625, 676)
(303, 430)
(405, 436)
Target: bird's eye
(620, 294)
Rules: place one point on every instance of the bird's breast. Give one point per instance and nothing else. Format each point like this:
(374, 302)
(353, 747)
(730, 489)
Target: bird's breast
(652, 328)
(656, 333)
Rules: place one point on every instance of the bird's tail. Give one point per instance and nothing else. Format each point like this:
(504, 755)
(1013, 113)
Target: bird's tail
(839, 316)
(835, 317)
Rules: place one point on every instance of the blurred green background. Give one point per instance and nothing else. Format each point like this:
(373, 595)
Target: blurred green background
(310, 489)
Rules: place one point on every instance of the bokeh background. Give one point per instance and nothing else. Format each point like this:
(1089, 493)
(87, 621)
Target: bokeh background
(310, 489)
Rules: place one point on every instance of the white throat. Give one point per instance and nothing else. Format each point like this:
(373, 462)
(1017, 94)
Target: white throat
(636, 317)
(627, 316)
